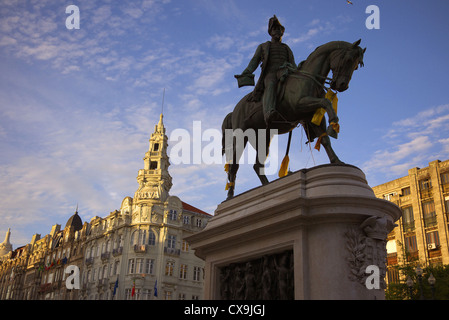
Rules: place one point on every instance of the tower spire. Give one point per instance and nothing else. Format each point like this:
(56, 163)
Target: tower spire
(154, 179)
(159, 128)
(7, 236)
(6, 246)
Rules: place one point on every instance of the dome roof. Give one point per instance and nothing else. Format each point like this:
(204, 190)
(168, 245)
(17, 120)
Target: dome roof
(75, 222)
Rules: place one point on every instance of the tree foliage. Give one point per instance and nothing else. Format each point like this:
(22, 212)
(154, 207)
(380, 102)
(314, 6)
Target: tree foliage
(400, 291)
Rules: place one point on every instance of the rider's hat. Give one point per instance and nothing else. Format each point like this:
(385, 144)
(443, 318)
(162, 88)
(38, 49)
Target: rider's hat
(274, 22)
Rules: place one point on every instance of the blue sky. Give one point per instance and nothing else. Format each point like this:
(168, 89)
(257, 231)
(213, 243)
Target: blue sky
(77, 107)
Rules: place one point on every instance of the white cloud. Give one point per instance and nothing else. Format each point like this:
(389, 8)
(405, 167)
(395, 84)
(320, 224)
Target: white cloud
(411, 142)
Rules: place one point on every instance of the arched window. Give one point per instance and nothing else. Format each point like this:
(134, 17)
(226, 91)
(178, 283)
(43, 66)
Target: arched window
(135, 237)
(142, 236)
(151, 238)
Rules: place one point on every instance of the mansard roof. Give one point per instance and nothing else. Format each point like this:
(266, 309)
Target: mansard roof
(188, 207)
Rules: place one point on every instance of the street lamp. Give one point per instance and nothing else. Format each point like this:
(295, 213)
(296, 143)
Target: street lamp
(432, 281)
(419, 272)
(409, 283)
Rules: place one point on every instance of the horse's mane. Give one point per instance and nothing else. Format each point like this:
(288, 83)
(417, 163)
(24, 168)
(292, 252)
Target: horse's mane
(324, 48)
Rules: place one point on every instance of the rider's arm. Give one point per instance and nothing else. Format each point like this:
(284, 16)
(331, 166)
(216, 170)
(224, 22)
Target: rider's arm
(254, 63)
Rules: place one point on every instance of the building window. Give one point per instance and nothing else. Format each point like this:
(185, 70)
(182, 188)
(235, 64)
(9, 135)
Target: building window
(429, 215)
(445, 178)
(410, 244)
(146, 294)
(433, 240)
(406, 191)
(186, 220)
(172, 215)
(408, 220)
(149, 266)
(171, 241)
(104, 273)
(139, 237)
(425, 188)
(183, 271)
(169, 267)
(151, 238)
(393, 275)
(199, 223)
(156, 147)
(389, 196)
(153, 165)
(139, 265)
(425, 184)
(116, 267)
(168, 295)
(196, 273)
(131, 266)
(185, 246)
(142, 236)
(446, 204)
(135, 237)
(127, 294)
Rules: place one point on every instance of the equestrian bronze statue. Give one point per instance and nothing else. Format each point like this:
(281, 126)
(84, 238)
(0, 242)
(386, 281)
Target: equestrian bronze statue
(302, 98)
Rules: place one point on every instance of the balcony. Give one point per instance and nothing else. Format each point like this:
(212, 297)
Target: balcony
(117, 251)
(105, 256)
(172, 251)
(434, 253)
(412, 256)
(426, 193)
(102, 283)
(392, 259)
(409, 226)
(140, 248)
(445, 187)
(430, 221)
(43, 288)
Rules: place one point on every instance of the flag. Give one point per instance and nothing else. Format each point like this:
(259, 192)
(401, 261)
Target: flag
(115, 287)
(155, 288)
(133, 291)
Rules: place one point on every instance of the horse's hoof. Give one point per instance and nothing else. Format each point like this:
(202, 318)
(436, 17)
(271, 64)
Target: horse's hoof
(331, 132)
(337, 161)
(230, 195)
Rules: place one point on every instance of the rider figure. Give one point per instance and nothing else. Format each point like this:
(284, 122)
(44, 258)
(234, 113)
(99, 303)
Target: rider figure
(273, 54)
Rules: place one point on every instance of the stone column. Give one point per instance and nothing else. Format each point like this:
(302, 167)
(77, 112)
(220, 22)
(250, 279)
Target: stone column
(313, 233)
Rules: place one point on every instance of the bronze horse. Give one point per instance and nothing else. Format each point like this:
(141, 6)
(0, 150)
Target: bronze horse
(301, 93)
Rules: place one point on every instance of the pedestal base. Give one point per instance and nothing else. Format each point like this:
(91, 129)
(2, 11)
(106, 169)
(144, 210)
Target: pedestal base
(319, 233)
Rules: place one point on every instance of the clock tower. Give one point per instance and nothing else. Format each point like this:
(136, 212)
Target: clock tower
(154, 179)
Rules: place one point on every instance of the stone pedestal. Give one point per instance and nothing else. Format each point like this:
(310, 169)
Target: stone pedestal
(318, 233)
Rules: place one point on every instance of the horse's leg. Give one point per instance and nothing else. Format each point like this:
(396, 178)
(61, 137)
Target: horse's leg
(237, 152)
(232, 174)
(311, 104)
(261, 155)
(326, 143)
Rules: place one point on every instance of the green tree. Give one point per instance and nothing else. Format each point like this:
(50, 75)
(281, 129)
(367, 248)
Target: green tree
(401, 291)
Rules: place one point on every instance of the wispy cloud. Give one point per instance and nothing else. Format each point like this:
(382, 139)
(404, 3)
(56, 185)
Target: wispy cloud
(411, 142)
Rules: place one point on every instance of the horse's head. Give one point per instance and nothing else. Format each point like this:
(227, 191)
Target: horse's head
(343, 63)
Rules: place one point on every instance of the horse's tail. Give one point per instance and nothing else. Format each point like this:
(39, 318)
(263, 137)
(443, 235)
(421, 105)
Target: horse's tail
(227, 124)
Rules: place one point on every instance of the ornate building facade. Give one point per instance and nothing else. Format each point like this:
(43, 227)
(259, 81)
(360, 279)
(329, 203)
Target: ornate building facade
(135, 253)
(422, 234)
